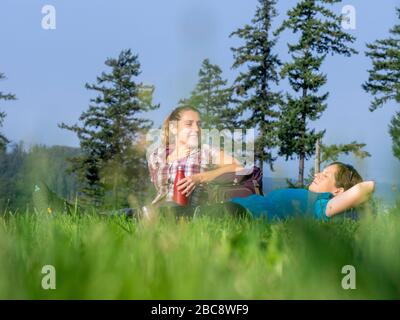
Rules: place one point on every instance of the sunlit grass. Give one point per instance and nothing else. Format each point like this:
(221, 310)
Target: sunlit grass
(206, 258)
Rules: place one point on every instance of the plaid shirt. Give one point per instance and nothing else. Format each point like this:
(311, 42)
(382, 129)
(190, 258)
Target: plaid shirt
(163, 174)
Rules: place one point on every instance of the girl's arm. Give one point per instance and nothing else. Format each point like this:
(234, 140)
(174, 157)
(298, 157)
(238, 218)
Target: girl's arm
(226, 164)
(153, 168)
(187, 185)
(350, 198)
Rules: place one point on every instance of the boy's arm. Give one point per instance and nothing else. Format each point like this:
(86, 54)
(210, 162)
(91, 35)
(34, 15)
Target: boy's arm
(350, 198)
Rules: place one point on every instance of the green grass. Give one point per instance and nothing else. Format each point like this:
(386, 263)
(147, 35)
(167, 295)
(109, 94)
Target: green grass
(205, 258)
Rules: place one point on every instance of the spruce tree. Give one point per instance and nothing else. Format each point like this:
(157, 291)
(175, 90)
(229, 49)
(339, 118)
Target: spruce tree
(257, 101)
(4, 96)
(326, 154)
(320, 34)
(111, 165)
(384, 78)
(394, 131)
(333, 151)
(212, 97)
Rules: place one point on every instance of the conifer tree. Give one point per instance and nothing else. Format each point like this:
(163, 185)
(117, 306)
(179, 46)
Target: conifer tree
(384, 78)
(4, 96)
(212, 97)
(111, 167)
(333, 151)
(320, 34)
(257, 102)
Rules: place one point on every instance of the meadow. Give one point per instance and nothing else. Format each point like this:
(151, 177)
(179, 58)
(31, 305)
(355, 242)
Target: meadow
(116, 257)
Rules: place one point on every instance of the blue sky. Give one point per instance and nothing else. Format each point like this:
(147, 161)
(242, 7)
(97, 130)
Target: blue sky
(47, 69)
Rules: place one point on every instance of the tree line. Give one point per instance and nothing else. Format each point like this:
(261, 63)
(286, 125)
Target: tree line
(110, 167)
(23, 169)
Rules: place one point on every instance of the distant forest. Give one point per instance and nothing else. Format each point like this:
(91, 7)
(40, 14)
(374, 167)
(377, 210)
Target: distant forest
(21, 169)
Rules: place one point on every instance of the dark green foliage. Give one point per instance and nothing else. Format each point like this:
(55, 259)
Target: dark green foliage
(10, 168)
(112, 164)
(394, 130)
(384, 78)
(257, 101)
(320, 34)
(332, 152)
(212, 98)
(4, 96)
(21, 170)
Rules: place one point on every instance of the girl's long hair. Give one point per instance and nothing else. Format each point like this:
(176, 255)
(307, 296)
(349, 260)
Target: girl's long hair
(175, 115)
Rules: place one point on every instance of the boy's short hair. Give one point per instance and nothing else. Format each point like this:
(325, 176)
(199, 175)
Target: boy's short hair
(346, 176)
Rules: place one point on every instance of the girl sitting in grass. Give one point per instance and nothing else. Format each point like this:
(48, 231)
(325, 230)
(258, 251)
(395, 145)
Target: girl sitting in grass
(181, 145)
(181, 137)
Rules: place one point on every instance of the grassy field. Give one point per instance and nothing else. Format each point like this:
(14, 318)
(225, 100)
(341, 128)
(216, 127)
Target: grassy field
(205, 258)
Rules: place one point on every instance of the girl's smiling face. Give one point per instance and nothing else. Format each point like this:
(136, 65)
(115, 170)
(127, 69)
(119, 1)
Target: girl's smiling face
(325, 181)
(188, 129)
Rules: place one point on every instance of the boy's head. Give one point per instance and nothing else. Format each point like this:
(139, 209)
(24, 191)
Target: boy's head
(335, 178)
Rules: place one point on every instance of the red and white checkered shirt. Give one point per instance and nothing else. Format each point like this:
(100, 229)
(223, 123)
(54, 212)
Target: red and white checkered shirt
(163, 174)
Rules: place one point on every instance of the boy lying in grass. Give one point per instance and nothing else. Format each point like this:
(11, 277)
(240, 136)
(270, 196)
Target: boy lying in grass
(336, 189)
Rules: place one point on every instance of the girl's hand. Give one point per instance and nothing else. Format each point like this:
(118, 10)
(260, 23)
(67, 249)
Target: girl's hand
(188, 184)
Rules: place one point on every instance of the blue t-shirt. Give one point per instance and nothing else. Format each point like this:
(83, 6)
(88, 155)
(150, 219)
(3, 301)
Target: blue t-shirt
(285, 203)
